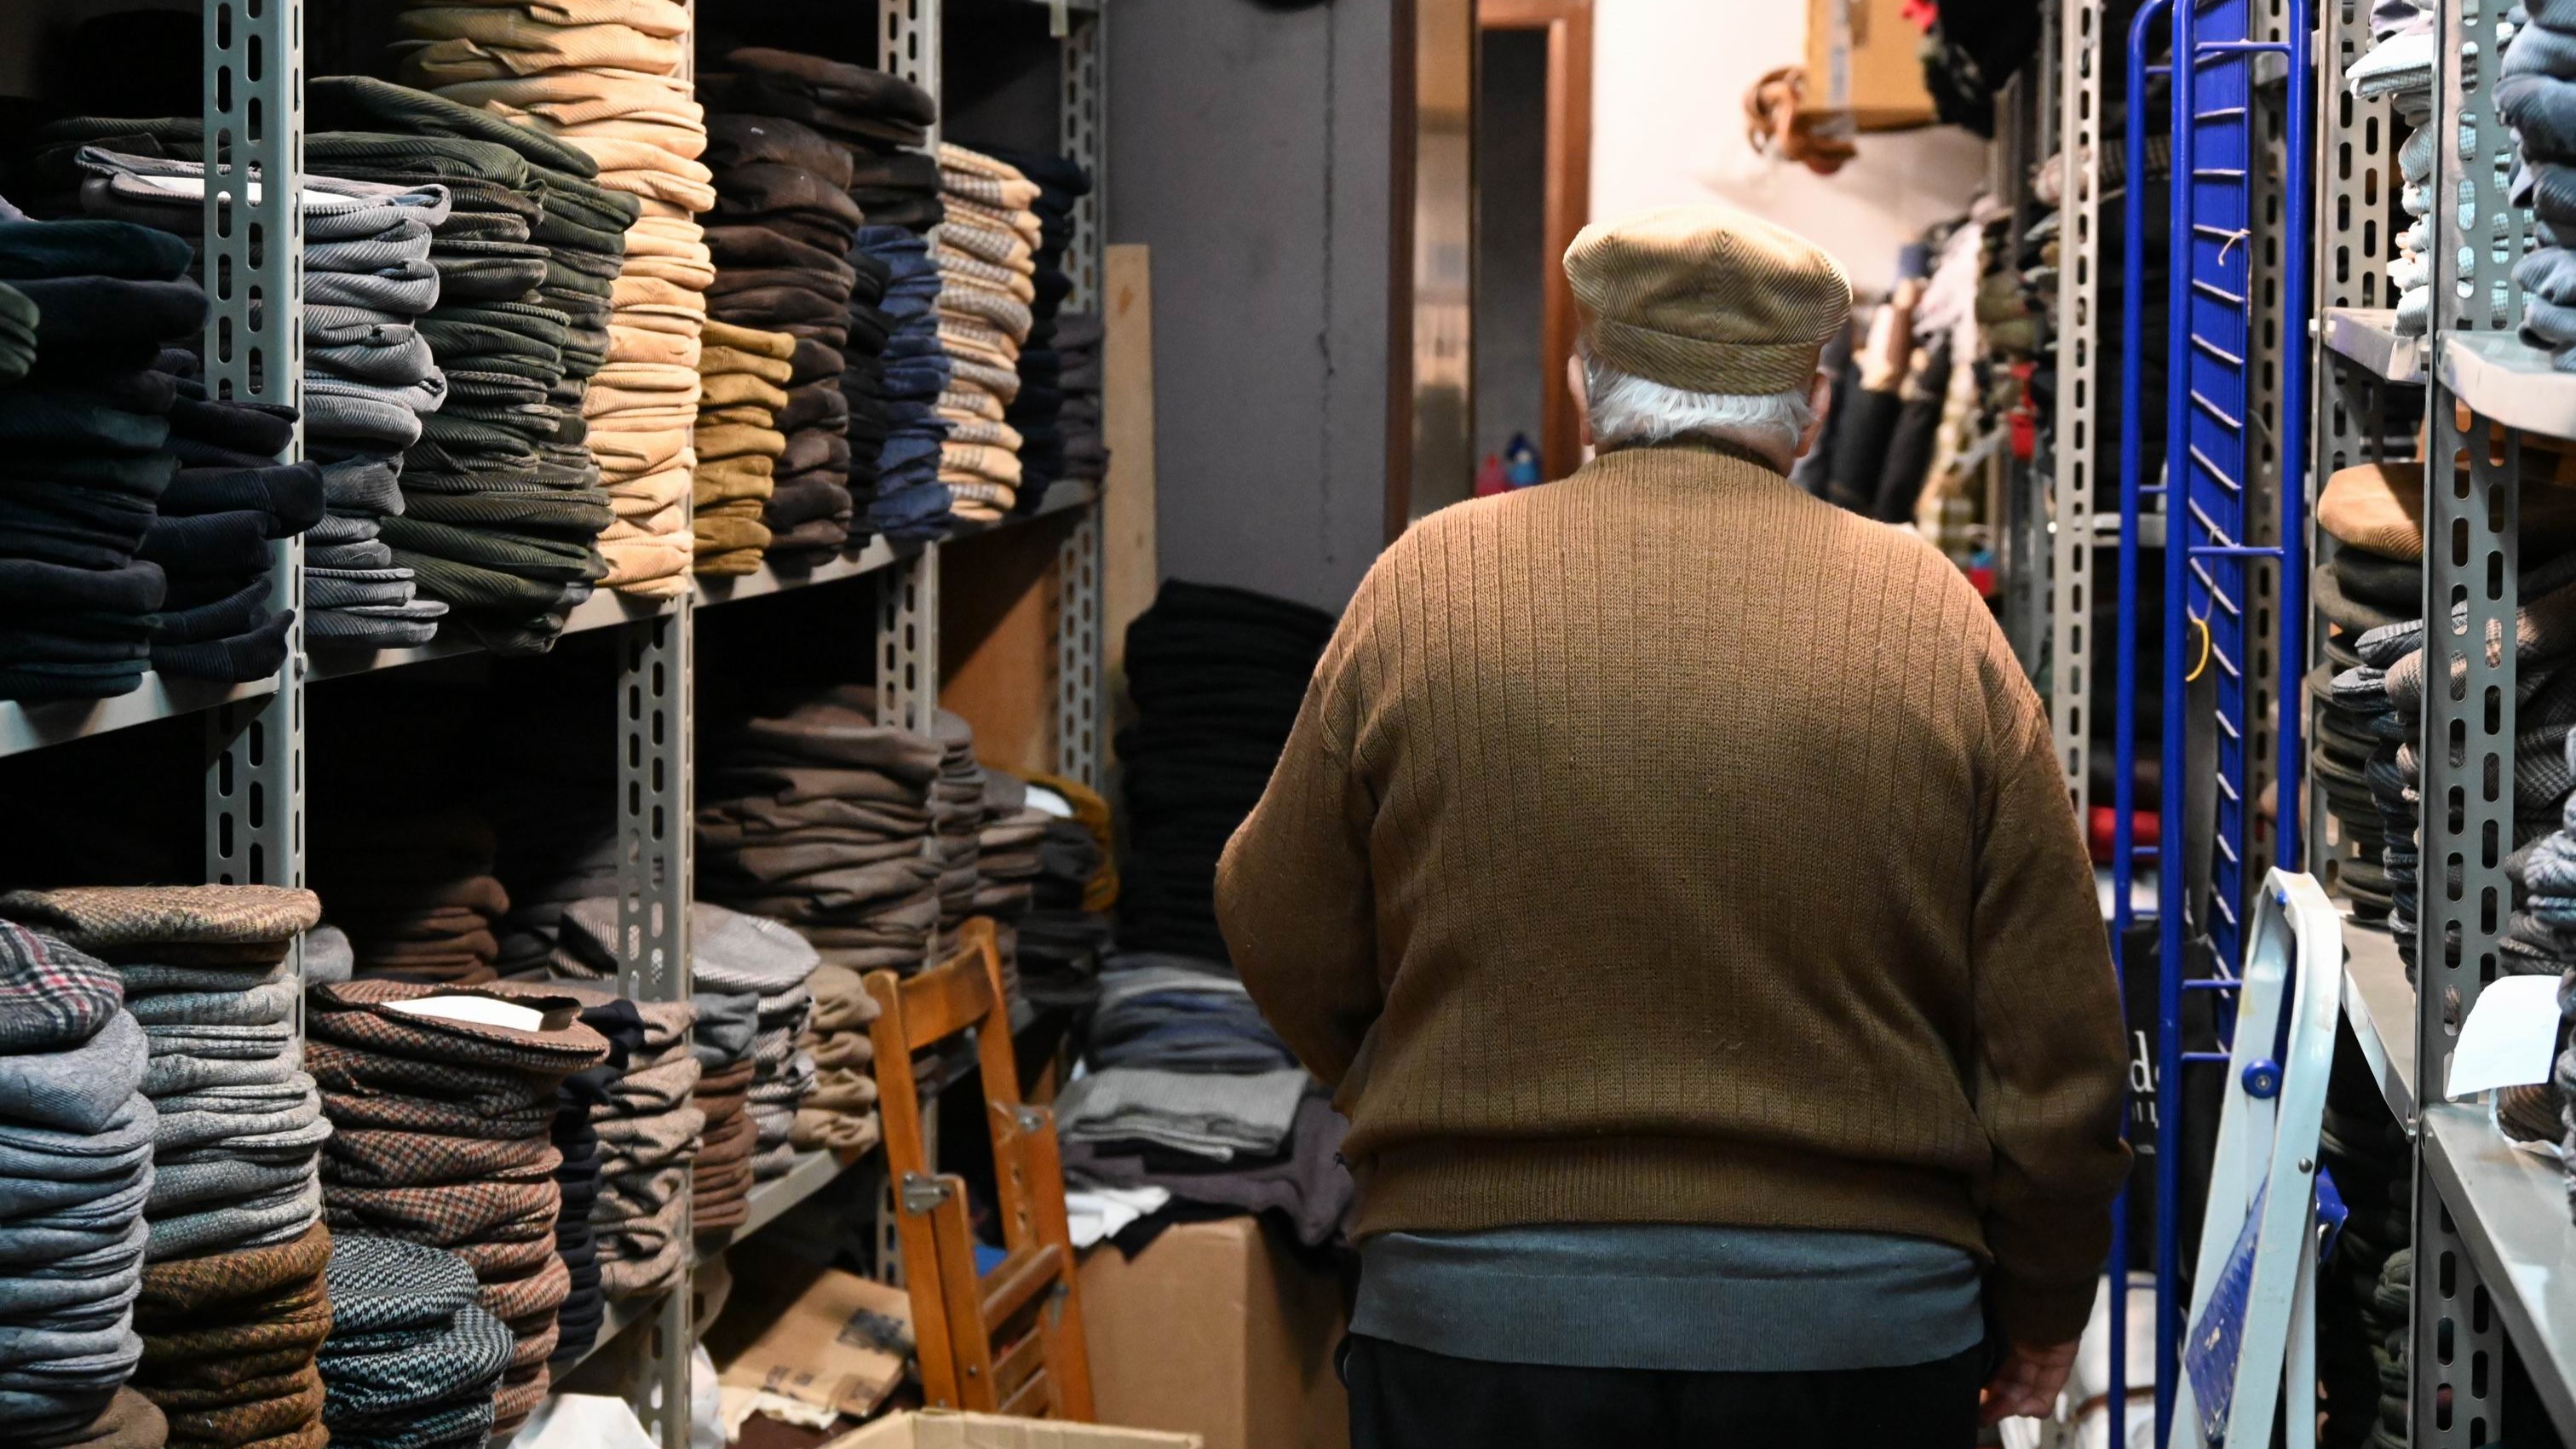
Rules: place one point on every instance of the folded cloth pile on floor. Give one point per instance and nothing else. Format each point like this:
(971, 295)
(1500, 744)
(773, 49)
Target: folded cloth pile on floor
(742, 382)
(1217, 674)
(413, 1360)
(205, 975)
(621, 1024)
(658, 1127)
(616, 67)
(75, 1171)
(368, 375)
(911, 375)
(415, 893)
(781, 147)
(818, 817)
(86, 431)
(1036, 413)
(987, 273)
(229, 1341)
(1059, 937)
(443, 1099)
(839, 1114)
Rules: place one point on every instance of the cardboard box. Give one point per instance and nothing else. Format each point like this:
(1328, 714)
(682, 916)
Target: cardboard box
(944, 1429)
(1865, 57)
(818, 1336)
(1218, 1330)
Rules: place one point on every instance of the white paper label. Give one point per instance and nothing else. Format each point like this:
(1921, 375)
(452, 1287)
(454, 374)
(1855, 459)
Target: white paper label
(482, 1010)
(2510, 1038)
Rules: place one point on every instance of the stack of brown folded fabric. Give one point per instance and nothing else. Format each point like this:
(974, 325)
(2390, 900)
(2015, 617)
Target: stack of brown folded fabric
(742, 374)
(987, 264)
(416, 896)
(649, 1135)
(229, 1341)
(839, 1114)
(444, 1099)
(721, 1180)
(957, 804)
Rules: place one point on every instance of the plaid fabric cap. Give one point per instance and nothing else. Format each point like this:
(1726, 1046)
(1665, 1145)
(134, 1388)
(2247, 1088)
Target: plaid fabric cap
(359, 1014)
(462, 1212)
(105, 920)
(361, 1071)
(420, 1159)
(188, 1286)
(51, 994)
(378, 1284)
(421, 1115)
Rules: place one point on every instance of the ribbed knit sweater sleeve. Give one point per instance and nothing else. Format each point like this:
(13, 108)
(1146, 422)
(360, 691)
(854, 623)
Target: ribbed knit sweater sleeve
(1293, 889)
(2044, 1078)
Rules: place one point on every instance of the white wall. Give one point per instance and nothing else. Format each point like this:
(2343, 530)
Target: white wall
(1668, 84)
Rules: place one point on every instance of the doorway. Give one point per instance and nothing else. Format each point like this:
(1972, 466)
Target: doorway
(1533, 160)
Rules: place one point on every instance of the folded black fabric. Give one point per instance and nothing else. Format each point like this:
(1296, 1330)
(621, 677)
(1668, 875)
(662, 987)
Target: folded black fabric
(239, 659)
(735, 140)
(291, 493)
(94, 324)
(257, 429)
(28, 587)
(240, 612)
(31, 250)
(203, 543)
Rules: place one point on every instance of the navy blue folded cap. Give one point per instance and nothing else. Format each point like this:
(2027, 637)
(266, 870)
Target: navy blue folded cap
(290, 493)
(37, 250)
(209, 542)
(85, 320)
(95, 679)
(254, 654)
(242, 611)
(256, 428)
(28, 587)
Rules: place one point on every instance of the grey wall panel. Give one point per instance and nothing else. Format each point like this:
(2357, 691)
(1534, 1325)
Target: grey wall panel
(1267, 213)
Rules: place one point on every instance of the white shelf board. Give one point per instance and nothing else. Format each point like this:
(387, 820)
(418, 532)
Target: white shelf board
(26, 727)
(2380, 1004)
(2369, 336)
(2504, 381)
(2511, 1209)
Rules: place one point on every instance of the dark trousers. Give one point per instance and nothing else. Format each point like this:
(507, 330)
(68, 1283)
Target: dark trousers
(1406, 1398)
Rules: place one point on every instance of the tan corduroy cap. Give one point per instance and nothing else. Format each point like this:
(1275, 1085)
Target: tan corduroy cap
(1707, 298)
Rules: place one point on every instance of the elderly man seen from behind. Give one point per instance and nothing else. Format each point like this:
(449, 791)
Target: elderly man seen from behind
(1671, 874)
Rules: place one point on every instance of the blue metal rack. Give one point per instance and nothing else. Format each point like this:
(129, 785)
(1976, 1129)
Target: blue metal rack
(2210, 556)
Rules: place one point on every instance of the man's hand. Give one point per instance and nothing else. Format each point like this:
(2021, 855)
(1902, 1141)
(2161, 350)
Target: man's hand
(2028, 1383)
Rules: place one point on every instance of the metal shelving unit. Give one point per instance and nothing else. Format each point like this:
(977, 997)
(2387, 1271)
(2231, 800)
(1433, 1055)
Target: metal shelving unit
(2368, 337)
(255, 782)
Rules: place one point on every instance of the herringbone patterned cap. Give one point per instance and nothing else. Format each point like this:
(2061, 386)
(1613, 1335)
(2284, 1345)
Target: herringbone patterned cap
(1707, 298)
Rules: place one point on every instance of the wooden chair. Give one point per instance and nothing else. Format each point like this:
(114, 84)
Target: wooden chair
(1010, 1342)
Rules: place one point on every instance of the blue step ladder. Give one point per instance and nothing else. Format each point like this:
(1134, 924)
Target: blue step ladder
(2211, 456)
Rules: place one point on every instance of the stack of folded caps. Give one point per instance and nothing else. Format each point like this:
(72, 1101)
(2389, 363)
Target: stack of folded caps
(368, 374)
(957, 812)
(413, 1361)
(621, 1024)
(1078, 376)
(2373, 577)
(75, 1169)
(735, 955)
(899, 191)
(783, 224)
(443, 1099)
(840, 1114)
(648, 1131)
(821, 818)
(612, 65)
(205, 972)
(86, 431)
(987, 261)
(1006, 870)
(502, 500)
(1036, 413)
(1059, 937)
(415, 893)
(2399, 68)
(229, 1342)
(2534, 97)
(1217, 674)
(742, 385)
(911, 376)
(229, 500)
(130, 1421)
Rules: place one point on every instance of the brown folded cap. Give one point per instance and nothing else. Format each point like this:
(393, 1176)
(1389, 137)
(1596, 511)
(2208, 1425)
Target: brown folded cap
(1707, 299)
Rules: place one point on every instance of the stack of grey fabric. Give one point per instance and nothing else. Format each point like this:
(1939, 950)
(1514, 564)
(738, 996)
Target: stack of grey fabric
(2536, 97)
(368, 380)
(648, 1131)
(75, 1170)
(821, 818)
(413, 1359)
(239, 1125)
(1059, 938)
(1078, 354)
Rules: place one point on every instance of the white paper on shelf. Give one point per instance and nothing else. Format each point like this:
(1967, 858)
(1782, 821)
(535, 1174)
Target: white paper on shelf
(2510, 1038)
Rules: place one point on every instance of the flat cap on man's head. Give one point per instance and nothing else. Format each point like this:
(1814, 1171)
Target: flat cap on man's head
(1707, 299)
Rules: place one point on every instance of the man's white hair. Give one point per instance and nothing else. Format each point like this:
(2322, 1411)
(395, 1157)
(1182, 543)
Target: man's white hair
(1630, 412)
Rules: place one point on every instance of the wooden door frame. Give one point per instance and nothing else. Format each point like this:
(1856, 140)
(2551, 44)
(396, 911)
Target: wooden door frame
(1568, 24)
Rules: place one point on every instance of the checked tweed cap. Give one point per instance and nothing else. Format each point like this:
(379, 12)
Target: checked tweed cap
(359, 1014)
(105, 918)
(51, 995)
(1707, 299)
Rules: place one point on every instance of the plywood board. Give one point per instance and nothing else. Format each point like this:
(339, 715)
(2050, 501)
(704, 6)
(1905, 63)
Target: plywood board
(1130, 570)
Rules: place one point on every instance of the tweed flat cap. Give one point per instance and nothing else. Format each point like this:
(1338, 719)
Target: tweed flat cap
(112, 921)
(1707, 299)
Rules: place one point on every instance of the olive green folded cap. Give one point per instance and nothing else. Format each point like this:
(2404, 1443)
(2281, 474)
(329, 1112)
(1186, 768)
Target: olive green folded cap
(1707, 299)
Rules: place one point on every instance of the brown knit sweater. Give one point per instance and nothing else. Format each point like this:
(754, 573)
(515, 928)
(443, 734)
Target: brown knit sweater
(1664, 845)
